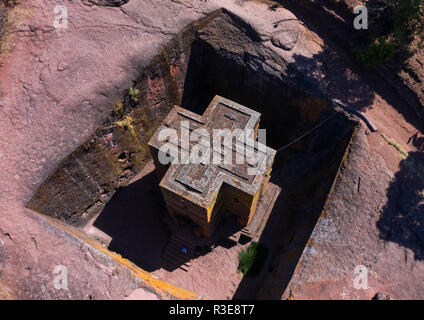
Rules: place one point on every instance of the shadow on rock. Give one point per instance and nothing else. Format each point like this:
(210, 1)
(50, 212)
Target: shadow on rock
(133, 219)
(402, 220)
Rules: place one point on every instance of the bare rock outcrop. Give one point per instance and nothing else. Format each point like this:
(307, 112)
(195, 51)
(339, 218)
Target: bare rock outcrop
(405, 72)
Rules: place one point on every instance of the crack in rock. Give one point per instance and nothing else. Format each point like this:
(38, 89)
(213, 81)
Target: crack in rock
(35, 242)
(3, 254)
(108, 3)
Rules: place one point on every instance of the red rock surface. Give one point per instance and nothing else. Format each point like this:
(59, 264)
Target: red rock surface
(57, 86)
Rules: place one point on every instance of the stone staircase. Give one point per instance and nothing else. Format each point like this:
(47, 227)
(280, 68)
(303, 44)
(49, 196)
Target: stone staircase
(174, 255)
(234, 237)
(182, 237)
(246, 232)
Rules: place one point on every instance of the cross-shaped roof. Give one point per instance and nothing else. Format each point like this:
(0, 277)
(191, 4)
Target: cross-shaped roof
(201, 183)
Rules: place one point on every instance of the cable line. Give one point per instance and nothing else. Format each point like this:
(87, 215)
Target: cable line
(305, 134)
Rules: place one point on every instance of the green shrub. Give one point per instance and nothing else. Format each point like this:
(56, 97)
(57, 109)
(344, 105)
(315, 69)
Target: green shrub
(407, 24)
(252, 259)
(133, 93)
(376, 53)
(408, 19)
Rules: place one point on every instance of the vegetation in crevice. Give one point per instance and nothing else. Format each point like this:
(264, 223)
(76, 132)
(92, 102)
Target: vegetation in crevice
(408, 19)
(406, 24)
(376, 53)
(12, 16)
(252, 259)
(403, 153)
(133, 93)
